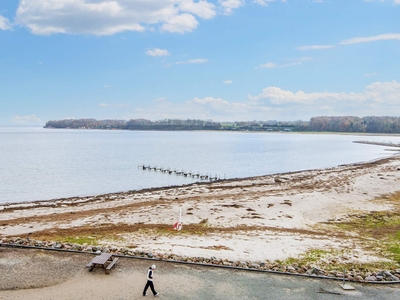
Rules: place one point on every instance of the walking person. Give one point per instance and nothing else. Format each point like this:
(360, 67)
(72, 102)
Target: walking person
(150, 277)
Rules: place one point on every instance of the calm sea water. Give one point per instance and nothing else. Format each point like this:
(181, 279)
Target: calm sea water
(42, 164)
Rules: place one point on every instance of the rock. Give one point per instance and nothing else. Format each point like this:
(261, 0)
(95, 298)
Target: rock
(358, 278)
(394, 278)
(388, 274)
(290, 269)
(379, 277)
(243, 263)
(371, 278)
(312, 271)
(150, 255)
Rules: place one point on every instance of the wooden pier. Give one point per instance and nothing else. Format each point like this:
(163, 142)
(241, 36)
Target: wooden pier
(180, 173)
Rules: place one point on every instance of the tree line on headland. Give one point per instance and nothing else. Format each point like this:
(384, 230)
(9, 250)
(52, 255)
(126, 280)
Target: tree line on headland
(317, 124)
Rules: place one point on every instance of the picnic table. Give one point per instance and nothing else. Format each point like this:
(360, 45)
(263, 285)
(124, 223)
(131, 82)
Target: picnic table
(104, 260)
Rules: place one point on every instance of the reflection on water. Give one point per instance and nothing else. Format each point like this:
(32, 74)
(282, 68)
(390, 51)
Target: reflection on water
(41, 164)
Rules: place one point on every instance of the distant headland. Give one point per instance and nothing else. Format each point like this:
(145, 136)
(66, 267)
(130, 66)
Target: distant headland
(316, 124)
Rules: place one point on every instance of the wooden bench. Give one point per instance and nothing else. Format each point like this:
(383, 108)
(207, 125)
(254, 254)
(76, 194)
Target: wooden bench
(99, 260)
(111, 264)
(89, 265)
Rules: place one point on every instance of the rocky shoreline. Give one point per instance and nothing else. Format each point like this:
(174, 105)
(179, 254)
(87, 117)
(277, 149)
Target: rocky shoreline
(383, 276)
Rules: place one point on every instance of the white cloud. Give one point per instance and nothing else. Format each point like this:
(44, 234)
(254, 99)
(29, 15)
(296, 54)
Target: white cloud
(315, 47)
(26, 120)
(379, 98)
(157, 52)
(379, 92)
(192, 61)
(4, 23)
(228, 81)
(270, 65)
(370, 74)
(229, 5)
(107, 86)
(275, 95)
(181, 24)
(382, 37)
(262, 2)
(295, 62)
(203, 9)
(103, 104)
(265, 2)
(385, 93)
(107, 17)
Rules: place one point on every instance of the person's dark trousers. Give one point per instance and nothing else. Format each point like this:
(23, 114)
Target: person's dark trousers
(151, 285)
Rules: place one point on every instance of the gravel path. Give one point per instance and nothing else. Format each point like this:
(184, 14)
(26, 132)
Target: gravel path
(38, 274)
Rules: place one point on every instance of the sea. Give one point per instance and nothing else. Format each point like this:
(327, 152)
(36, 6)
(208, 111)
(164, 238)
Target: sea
(43, 164)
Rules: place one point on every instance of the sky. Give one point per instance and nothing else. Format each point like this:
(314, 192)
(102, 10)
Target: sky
(220, 60)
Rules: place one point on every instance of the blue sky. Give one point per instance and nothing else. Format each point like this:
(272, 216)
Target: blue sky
(225, 60)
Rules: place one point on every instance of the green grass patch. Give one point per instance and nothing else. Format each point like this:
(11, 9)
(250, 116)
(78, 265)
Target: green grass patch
(89, 240)
(330, 260)
(378, 231)
(395, 252)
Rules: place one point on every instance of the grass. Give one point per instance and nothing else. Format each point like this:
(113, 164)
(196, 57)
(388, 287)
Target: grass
(88, 240)
(378, 230)
(329, 260)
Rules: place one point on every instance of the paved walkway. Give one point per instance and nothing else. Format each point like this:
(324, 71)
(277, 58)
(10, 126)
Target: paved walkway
(67, 278)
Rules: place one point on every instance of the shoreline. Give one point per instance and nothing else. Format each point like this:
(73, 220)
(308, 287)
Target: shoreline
(280, 217)
(236, 179)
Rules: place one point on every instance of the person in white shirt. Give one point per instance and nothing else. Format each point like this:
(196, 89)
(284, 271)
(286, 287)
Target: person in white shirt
(150, 277)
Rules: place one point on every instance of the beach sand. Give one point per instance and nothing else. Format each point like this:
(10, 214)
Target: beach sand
(262, 218)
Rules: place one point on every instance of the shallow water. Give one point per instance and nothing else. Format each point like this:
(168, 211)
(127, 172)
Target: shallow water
(42, 164)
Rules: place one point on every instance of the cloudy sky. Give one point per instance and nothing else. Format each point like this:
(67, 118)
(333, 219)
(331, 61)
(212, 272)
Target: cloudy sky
(223, 60)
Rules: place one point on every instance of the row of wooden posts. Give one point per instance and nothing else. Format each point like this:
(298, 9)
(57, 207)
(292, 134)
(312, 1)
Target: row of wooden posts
(183, 173)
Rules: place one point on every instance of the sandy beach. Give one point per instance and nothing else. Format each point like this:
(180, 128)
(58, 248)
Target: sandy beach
(255, 219)
(274, 220)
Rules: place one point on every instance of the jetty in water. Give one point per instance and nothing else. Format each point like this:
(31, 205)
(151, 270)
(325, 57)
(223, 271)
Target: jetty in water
(181, 173)
(388, 144)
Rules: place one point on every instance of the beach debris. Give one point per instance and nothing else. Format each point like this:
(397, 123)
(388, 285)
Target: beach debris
(287, 202)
